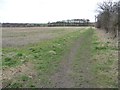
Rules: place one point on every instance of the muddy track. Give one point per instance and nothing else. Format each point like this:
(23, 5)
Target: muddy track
(62, 78)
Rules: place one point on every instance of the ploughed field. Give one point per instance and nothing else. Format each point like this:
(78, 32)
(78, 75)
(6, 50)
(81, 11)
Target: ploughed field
(58, 57)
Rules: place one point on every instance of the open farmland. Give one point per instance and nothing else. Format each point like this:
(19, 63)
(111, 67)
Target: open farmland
(59, 57)
(12, 37)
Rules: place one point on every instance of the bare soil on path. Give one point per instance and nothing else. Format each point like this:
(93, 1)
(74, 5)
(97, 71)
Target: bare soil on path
(63, 77)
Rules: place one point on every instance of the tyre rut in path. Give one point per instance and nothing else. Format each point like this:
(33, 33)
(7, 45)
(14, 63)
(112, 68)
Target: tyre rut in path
(84, 76)
(62, 78)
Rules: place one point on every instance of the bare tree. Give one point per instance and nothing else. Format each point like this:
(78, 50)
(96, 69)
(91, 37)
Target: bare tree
(108, 16)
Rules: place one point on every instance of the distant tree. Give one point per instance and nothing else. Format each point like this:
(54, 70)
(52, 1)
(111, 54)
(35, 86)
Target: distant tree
(87, 20)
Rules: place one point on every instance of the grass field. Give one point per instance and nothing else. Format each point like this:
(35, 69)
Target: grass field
(14, 37)
(58, 57)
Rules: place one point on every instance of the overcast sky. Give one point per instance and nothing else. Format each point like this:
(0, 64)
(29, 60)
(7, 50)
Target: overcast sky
(43, 11)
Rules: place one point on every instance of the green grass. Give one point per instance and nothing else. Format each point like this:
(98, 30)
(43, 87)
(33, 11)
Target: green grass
(44, 50)
(25, 78)
(15, 85)
(19, 81)
(104, 63)
(83, 56)
(45, 56)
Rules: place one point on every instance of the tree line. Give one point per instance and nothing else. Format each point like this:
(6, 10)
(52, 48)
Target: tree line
(23, 25)
(72, 22)
(108, 17)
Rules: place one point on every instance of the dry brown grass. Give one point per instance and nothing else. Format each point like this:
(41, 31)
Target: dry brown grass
(12, 37)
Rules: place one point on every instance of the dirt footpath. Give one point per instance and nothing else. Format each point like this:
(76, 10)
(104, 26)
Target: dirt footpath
(63, 77)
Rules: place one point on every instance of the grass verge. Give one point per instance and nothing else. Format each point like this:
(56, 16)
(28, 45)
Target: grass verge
(105, 63)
